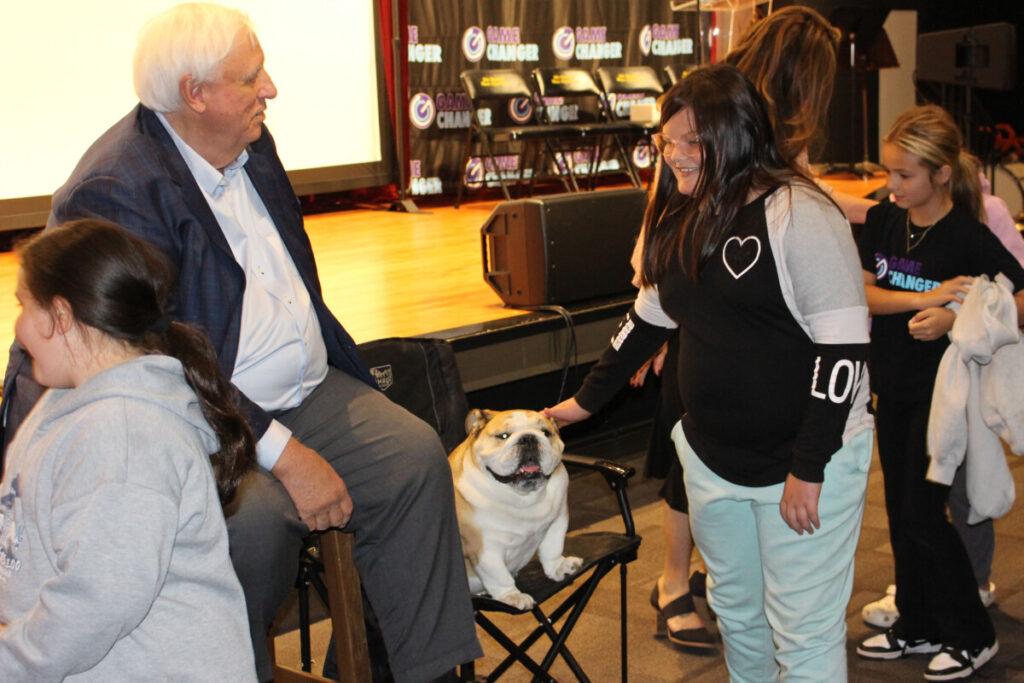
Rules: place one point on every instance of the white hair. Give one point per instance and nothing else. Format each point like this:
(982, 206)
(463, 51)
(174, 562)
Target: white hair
(190, 39)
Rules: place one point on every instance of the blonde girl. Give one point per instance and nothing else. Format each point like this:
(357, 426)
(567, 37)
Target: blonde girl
(918, 252)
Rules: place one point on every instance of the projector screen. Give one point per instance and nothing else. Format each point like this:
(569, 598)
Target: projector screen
(65, 66)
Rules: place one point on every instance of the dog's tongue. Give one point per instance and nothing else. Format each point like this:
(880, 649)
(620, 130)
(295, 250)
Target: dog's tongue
(530, 468)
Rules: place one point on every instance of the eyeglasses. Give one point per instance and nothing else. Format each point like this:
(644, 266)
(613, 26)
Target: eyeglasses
(667, 146)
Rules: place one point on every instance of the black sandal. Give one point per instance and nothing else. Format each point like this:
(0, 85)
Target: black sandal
(692, 638)
(699, 588)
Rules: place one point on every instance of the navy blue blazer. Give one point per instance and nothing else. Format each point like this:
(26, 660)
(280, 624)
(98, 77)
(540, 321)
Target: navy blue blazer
(134, 176)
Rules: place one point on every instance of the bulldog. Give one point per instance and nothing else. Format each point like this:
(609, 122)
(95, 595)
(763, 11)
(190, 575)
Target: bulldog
(510, 497)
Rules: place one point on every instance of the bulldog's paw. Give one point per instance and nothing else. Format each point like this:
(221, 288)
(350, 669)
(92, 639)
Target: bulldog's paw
(516, 599)
(565, 566)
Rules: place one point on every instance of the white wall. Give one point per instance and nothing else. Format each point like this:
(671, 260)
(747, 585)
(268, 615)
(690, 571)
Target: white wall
(896, 85)
(65, 77)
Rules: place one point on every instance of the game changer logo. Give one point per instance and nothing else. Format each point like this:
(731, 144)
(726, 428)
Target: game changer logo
(474, 173)
(504, 44)
(645, 39)
(422, 110)
(422, 52)
(902, 273)
(663, 40)
(474, 44)
(642, 156)
(520, 110)
(563, 42)
(592, 43)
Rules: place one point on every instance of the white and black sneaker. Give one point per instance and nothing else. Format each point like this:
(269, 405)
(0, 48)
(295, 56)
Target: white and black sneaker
(890, 646)
(951, 664)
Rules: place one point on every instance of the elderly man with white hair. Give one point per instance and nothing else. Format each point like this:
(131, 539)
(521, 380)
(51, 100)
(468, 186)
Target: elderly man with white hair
(193, 170)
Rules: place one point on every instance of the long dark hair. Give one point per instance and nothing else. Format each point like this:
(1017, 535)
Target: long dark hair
(120, 285)
(739, 154)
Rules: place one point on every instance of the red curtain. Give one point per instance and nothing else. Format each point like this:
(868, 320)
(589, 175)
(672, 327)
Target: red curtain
(387, 44)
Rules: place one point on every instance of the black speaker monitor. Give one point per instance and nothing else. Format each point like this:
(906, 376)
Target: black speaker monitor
(562, 248)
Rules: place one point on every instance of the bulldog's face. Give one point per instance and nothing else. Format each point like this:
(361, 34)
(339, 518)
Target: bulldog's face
(518, 448)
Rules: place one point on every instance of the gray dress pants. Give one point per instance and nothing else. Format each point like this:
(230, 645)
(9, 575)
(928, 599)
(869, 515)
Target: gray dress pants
(407, 546)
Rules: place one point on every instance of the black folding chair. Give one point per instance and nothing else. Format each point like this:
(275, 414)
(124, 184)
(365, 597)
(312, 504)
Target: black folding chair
(422, 376)
(503, 113)
(574, 90)
(673, 75)
(621, 88)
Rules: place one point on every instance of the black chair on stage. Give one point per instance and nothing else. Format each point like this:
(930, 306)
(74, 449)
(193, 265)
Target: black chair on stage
(504, 96)
(672, 74)
(624, 86)
(421, 375)
(620, 86)
(575, 94)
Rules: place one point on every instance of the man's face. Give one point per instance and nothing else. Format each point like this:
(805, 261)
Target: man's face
(236, 99)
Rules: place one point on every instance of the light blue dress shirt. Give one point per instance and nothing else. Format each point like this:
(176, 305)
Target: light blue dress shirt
(281, 354)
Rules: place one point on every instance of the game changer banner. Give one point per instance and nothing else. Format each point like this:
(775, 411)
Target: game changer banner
(447, 37)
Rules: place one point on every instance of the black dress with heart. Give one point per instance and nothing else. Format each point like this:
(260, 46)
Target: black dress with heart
(745, 363)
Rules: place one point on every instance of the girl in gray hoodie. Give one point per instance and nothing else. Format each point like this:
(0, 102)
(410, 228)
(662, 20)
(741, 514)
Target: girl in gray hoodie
(113, 549)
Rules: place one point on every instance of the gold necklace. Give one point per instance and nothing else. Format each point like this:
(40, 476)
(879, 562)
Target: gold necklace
(915, 238)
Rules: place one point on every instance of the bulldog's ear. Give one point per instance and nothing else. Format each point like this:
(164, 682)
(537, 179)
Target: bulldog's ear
(476, 419)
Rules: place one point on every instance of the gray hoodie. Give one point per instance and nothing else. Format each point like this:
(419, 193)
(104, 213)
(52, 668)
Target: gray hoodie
(114, 558)
(979, 398)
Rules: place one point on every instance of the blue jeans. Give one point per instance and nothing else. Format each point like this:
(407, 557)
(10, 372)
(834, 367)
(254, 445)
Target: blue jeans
(780, 597)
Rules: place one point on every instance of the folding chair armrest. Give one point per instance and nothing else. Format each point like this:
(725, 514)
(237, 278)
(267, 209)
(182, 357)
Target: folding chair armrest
(614, 473)
(617, 476)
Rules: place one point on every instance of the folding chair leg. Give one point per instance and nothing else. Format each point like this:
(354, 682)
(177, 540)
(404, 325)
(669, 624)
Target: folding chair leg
(523, 184)
(568, 165)
(516, 652)
(571, 608)
(579, 599)
(490, 155)
(304, 646)
(595, 163)
(558, 646)
(623, 650)
(462, 169)
(634, 177)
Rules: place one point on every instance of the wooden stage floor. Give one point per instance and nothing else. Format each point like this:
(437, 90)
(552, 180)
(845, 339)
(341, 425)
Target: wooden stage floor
(388, 274)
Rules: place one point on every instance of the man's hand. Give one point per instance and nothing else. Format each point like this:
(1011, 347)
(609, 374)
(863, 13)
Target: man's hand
(319, 494)
(799, 505)
(931, 323)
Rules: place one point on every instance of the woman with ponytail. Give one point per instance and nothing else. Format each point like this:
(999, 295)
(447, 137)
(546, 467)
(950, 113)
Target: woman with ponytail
(919, 251)
(114, 557)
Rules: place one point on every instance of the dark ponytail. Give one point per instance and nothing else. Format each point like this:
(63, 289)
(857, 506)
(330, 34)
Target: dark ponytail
(120, 285)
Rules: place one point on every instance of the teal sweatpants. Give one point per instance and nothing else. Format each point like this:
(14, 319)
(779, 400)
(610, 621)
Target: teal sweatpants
(780, 597)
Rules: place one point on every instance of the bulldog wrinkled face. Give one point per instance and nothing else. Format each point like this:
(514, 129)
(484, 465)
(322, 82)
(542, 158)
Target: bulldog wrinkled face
(519, 448)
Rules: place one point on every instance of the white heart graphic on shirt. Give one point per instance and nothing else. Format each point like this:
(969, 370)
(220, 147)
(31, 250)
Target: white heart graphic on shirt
(740, 255)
